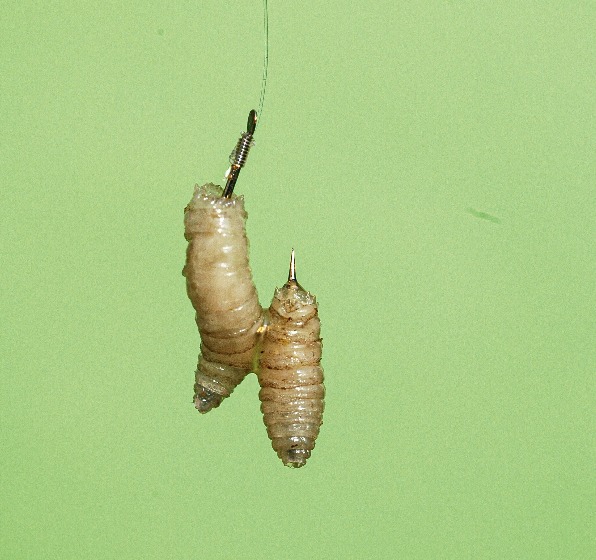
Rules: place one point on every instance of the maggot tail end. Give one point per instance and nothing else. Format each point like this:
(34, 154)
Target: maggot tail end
(294, 458)
(205, 399)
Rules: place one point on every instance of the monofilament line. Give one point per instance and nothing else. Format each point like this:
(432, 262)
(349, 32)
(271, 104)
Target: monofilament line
(265, 57)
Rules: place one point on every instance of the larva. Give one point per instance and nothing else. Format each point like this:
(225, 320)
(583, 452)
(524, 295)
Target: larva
(290, 374)
(220, 286)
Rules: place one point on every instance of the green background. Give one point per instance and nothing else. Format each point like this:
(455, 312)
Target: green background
(459, 346)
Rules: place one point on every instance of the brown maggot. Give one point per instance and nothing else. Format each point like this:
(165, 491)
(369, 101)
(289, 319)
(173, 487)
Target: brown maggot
(290, 373)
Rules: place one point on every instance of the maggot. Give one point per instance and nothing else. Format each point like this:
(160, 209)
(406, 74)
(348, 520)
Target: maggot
(220, 286)
(290, 372)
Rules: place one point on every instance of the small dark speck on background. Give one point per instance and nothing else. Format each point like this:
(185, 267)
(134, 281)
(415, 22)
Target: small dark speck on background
(483, 215)
(160, 31)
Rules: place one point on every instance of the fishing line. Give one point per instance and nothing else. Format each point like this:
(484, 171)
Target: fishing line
(246, 141)
(265, 57)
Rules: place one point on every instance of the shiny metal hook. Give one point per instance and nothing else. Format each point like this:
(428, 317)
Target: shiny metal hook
(292, 273)
(292, 281)
(240, 153)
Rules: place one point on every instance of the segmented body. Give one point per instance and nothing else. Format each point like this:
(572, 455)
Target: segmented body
(220, 286)
(290, 374)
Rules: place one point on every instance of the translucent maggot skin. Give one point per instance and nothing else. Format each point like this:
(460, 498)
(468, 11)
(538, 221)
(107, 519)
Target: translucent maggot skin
(220, 286)
(291, 376)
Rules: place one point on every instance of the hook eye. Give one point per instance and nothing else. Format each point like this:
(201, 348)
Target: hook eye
(252, 122)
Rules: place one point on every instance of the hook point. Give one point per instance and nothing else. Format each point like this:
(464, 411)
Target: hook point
(292, 274)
